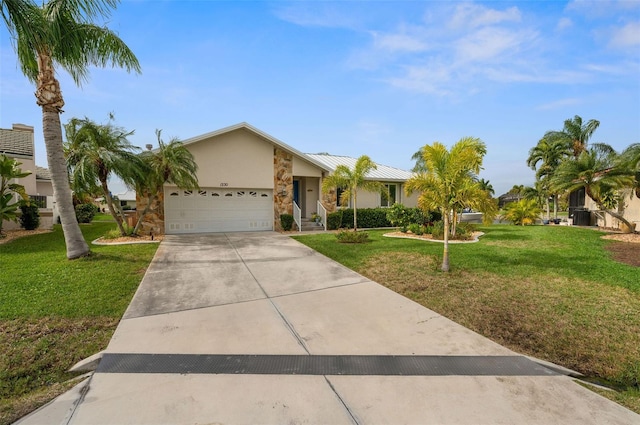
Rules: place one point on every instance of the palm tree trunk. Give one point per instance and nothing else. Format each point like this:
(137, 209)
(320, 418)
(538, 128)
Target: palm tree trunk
(555, 205)
(150, 200)
(355, 211)
(445, 253)
(49, 97)
(546, 202)
(114, 214)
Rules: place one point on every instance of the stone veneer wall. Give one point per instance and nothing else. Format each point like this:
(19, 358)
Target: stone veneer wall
(153, 221)
(282, 179)
(330, 200)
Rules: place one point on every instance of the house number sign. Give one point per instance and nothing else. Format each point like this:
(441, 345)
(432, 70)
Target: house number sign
(224, 184)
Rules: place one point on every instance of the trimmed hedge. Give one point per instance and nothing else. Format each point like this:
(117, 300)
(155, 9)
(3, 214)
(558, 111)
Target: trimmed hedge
(368, 218)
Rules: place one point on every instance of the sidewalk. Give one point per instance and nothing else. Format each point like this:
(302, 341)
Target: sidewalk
(256, 328)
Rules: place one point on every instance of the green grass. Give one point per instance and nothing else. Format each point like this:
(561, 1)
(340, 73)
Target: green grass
(552, 292)
(56, 312)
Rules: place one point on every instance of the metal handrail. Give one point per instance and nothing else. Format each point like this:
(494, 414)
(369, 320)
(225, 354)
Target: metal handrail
(297, 215)
(322, 212)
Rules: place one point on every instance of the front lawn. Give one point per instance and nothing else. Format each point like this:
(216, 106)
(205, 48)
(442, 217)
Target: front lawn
(552, 292)
(55, 312)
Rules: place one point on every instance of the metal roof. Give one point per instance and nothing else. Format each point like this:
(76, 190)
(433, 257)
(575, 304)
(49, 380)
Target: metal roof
(16, 142)
(382, 173)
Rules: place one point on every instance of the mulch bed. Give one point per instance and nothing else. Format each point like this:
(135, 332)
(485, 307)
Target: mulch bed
(625, 252)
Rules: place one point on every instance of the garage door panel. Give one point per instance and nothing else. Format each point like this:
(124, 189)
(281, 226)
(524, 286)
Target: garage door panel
(218, 210)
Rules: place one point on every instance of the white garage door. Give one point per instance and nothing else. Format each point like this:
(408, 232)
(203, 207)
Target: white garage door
(217, 210)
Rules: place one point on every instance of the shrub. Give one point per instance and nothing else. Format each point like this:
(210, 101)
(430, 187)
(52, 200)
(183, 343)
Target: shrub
(286, 221)
(437, 230)
(401, 216)
(30, 218)
(334, 220)
(523, 212)
(86, 212)
(348, 236)
(416, 229)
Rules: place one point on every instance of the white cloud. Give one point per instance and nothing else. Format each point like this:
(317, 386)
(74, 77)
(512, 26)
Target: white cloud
(431, 79)
(563, 24)
(561, 103)
(601, 8)
(316, 15)
(470, 15)
(490, 43)
(398, 42)
(627, 36)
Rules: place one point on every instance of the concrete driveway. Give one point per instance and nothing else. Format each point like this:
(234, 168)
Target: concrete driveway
(256, 328)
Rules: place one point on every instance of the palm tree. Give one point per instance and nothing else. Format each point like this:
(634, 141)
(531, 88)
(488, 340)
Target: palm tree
(94, 152)
(62, 33)
(630, 158)
(550, 151)
(575, 134)
(351, 181)
(487, 186)
(171, 163)
(523, 212)
(446, 175)
(594, 171)
(9, 172)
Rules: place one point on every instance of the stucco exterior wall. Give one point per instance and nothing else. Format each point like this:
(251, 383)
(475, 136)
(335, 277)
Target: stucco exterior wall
(43, 188)
(631, 211)
(237, 159)
(28, 182)
(409, 200)
(304, 169)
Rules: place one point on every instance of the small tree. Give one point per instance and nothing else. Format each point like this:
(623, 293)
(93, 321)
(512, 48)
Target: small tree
(94, 152)
(9, 171)
(351, 180)
(523, 212)
(447, 181)
(170, 163)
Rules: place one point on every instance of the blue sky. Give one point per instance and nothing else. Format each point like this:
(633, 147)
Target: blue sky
(355, 77)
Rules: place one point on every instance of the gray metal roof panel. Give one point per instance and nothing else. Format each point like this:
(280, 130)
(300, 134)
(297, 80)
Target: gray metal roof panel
(382, 173)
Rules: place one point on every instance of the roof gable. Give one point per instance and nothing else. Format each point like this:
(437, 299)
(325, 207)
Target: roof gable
(260, 134)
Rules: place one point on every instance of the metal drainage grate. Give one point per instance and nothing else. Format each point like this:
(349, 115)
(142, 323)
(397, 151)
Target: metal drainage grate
(322, 365)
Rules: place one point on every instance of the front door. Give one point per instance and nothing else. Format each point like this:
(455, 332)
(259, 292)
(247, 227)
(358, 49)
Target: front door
(296, 192)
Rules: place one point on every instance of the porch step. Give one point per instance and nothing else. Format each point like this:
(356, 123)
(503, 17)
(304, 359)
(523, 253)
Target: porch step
(308, 225)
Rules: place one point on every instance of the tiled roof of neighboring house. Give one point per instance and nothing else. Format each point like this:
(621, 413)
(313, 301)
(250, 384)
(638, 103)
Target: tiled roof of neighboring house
(42, 173)
(16, 142)
(383, 172)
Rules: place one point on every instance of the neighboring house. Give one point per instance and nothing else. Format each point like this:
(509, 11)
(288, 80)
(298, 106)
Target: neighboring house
(629, 208)
(18, 143)
(248, 179)
(127, 199)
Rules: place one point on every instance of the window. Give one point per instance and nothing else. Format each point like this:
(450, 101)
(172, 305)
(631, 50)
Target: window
(388, 195)
(339, 193)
